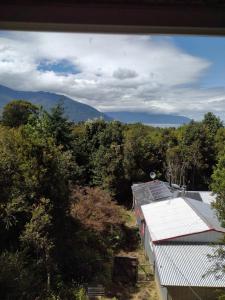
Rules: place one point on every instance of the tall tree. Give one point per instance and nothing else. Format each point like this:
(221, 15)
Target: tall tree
(17, 113)
(212, 122)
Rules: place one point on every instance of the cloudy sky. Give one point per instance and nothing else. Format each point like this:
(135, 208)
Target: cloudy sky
(159, 74)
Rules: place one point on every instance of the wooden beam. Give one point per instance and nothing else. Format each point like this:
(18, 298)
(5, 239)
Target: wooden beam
(114, 18)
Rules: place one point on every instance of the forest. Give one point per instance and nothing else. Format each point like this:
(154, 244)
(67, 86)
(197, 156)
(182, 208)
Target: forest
(64, 187)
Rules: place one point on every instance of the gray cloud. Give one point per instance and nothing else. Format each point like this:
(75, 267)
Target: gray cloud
(124, 74)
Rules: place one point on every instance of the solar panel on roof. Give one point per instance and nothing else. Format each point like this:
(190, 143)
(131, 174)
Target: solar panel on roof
(148, 192)
(159, 190)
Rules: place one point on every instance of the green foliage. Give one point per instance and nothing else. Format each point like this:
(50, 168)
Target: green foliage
(220, 141)
(17, 113)
(218, 186)
(142, 152)
(55, 234)
(212, 122)
(193, 155)
(20, 276)
(34, 181)
(59, 127)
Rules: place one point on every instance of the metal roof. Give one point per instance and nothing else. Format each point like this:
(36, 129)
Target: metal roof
(148, 192)
(206, 212)
(204, 196)
(208, 197)
(179, 217)
(187, 265)
(192, 194)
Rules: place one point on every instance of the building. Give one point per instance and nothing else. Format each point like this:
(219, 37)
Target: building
(183, 271)
(178, 234)
(145, 193)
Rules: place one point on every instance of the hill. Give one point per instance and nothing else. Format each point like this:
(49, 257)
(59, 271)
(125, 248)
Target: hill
(74, 110)
(147, 118)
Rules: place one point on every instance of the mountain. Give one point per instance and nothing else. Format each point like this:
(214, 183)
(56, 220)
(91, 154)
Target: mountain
(147, 118)
(74, 110)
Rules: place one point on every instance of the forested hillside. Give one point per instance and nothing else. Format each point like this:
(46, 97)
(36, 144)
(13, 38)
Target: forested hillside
(64, 185)
(74, 110)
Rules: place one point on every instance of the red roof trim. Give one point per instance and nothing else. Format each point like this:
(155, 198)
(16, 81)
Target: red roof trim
(174, 237)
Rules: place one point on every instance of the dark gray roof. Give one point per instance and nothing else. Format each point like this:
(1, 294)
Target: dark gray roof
(206, 213)
(148, 192)
(192, 195)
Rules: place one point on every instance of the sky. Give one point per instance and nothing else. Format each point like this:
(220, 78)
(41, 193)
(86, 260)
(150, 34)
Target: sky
(182, 75)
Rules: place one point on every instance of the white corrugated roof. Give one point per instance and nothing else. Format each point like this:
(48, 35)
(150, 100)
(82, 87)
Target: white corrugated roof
(187, 265)
(177, 217)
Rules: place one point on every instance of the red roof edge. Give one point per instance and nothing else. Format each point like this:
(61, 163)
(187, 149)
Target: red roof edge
(174, 237)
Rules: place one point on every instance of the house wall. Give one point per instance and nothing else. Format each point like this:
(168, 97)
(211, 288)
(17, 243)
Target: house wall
(185, 293)
(209, 237)
(162, 291)
(148, 246)
(140, 221)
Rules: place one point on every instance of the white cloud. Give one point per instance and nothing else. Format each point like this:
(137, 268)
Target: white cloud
(118, 72)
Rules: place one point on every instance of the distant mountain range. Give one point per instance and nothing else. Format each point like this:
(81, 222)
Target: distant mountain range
(74, 110)
(77, 111)
(147, 118)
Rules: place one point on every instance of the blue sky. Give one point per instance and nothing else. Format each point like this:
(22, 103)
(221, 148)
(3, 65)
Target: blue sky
(182, 75)
(62, 66)
(210, 48)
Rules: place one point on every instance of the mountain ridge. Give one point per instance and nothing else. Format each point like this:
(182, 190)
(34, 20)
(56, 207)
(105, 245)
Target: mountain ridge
(74, 110)
(147, 118)
(77, 111)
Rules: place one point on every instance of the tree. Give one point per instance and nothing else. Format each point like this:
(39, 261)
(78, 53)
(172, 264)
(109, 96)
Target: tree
(59, 126)
(99, 225)
(20, 276)
(220, 141)
(107, 170)
(218, 187)
(212, 122)
(34, 181)
(197, 157)
(142, 153)
(37, 234)
(95, 209)
(17, 113)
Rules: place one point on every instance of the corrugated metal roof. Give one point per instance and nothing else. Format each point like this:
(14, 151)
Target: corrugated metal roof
(149, 192)
(206, 212)
(186, 265)
(178, 217)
